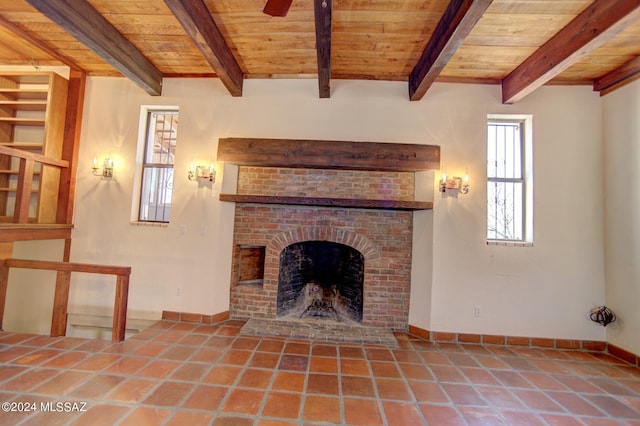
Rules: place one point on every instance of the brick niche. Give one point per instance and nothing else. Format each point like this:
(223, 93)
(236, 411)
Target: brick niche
(383, 237)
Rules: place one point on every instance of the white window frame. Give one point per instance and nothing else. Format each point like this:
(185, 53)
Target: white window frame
(137, 202)
(524, 235)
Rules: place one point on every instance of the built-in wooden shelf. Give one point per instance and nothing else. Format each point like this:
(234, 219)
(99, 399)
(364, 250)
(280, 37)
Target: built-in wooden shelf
(25, 105)
(23, 121)
(329, 202)
(28, 92)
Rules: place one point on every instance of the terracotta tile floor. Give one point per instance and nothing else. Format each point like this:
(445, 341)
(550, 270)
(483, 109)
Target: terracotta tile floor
(185, 374)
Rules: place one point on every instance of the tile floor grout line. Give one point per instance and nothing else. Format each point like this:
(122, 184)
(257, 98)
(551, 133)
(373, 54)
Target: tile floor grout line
(231, 387)
(267, 390)
(414, 398)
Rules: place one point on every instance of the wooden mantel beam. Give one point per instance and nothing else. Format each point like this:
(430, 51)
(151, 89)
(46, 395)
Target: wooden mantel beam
(86, 24)
(454, 26)
(322, 10)
(626, 73)
(319, 154)
(598, 23)
(197, 22)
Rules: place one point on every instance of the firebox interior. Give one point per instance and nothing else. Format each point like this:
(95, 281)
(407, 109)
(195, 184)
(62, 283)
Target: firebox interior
(322, 280)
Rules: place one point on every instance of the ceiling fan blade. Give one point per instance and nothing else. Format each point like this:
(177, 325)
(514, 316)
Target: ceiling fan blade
(277, 7)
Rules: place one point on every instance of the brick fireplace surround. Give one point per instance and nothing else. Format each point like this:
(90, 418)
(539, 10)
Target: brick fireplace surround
(383, 237)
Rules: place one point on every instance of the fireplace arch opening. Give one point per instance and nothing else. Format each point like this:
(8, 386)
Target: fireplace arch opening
(321, 280)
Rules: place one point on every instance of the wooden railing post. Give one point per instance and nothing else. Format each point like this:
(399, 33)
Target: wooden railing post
(120, 308)
(23, 191)
(6, 251)
(61, 296)
(60, 304)
(4, 280)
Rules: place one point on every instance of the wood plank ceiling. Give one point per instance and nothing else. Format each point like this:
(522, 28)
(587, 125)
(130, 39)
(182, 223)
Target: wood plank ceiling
(519, 44)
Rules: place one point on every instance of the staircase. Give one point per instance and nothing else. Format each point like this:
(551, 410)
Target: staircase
(40, 119)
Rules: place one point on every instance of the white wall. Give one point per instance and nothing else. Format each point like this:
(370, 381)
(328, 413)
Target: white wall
(30, 292)
(545, 290)
(621, 118)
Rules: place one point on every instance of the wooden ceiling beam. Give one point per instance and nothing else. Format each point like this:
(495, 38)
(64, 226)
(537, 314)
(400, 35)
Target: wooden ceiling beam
(455, 25)
(322, 10)
(197, 22)
(598, 23)
(86, 24)
(626, 73)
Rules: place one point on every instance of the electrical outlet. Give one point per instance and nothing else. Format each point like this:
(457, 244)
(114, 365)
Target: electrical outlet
(476, 311)
(178, 291)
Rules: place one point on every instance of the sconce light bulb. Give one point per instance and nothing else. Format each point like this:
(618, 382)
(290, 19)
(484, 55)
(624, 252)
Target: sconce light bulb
(465, 186)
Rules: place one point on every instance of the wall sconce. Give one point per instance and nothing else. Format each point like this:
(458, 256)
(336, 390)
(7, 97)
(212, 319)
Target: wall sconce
(107, 168)
(455, 184)
(201, 172)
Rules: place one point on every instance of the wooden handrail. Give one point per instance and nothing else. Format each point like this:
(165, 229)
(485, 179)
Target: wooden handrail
(68, 267)
(14, 152)
(61, 298)
(11, 232)
(25, 178)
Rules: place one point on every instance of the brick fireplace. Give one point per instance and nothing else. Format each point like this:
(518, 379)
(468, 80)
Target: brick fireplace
(382, 237)
(345, 257)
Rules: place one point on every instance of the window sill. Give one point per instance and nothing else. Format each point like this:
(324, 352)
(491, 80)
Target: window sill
(510, 243)
(151, 224)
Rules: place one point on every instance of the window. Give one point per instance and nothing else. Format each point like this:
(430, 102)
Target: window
(508, 179)
(161, 131)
